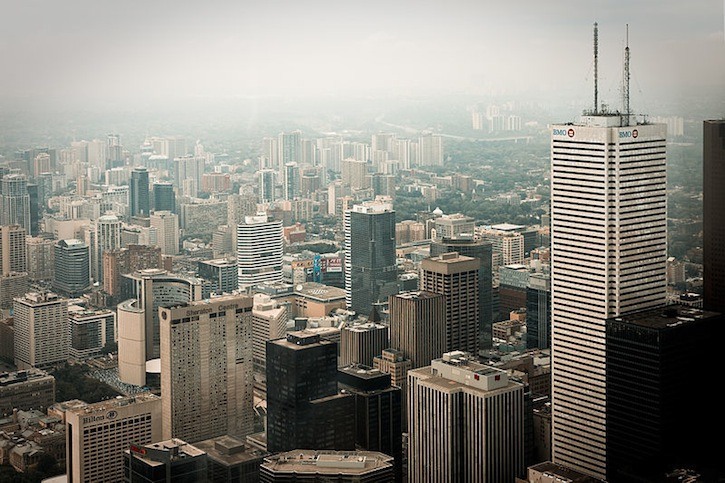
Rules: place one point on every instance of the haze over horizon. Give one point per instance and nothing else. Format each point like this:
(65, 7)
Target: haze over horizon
(85, 51)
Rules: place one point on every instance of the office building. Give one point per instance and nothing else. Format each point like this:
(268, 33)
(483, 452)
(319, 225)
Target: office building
(507, 247)
(24, 390)
(98, 434)
(90, 331)
(470, 247)
(317, 465)
(269, 322)
(72, 275)
(454, 226)
(465, 422)
(139, 200)
(361, 341)
(206, 368)
(304, 408)
(126, 260)
(221, 273)
(41, 330)
(456, 278)
(538, 312)
(713, 200)
(139, 337)
(418, 326)
(548, 472)
(167, 231)
(259, 251)
(608, 257)
(371, 272)
(15, 201)
(660, 405)
(163, 462)
(513, 281)
(378, 411)
(230, 460)
(164, 197)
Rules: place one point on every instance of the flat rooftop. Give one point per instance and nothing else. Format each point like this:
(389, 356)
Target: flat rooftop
(667, 317)
(318, 291)
(302, 461)
(230, 451)
(563, 474)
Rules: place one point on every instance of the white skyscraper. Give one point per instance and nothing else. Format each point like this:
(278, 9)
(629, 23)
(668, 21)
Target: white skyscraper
(108, 237)
(259, 251)
(608, 257)
(167, 231)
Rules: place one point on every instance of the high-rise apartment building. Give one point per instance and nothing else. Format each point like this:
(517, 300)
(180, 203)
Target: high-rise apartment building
(360, 342)
(304, 409)
(41, 330)
(13, 264)
(139, 200)
(167, 231)
(456, 278)
(466, 422)
(430, 150)
(289, 146)
(259, 250)
(370, 267)
(713, 200)
(474, 247)
(108, 237)
(127, 260)
(266, 185)
(355, 174)
(291, 181)
(608, 257)
(41, 253)
(98, 434)
(15, 201)
(72, 274)
(188, 167)
(206, 368)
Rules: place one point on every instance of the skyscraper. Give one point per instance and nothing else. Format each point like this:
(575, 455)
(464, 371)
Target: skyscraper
(108, 237)
(538, 311)
(304, 409)
(291, 181)
(430, 150)
(608, 257)
(72, 267)
(470, 247)
(139, 202)
(466, 422)
(418, 326)
(266, 185)
(207, 384)
(259, 250)
(167, 231)
(713, 199)
(371, 271)
(269, 322)
(289, 147)
(456, 277)
(360, 342)
(12, 249)
(15, 201)
(164, 197)
(41, 330)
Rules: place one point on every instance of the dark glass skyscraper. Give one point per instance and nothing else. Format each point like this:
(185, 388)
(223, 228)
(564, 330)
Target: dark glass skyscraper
(164, 197)
(139, 192)
(538, 312)
(304, 409)
(662, 412)
(713, 236)
(371, 272)
(482, 250)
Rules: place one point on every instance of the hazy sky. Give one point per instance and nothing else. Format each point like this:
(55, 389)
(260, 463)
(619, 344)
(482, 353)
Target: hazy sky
(85, 49)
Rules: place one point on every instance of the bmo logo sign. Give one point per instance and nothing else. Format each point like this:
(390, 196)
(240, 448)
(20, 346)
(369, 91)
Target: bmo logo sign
(563, 132)
(628, 134)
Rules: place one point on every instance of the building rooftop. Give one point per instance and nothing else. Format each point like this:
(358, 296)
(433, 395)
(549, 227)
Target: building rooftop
(666, 317)
(119, 401)
(417, 295)
(333, 463)
(157, 454)
(230, 451)
(301, 339)
(221, 262)
(318, 291)
(562, 474)
(10, 378)
(507, 227)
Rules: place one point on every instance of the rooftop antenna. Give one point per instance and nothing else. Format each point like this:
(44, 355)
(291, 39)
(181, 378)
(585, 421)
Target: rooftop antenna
(596, 68)
(625, 83)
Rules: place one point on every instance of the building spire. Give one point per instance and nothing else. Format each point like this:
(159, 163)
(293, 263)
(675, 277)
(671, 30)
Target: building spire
(625, 81)
(596, 68)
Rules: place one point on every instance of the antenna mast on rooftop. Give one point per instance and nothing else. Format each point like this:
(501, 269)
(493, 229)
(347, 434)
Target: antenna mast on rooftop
(625, 81)
(596, 68)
